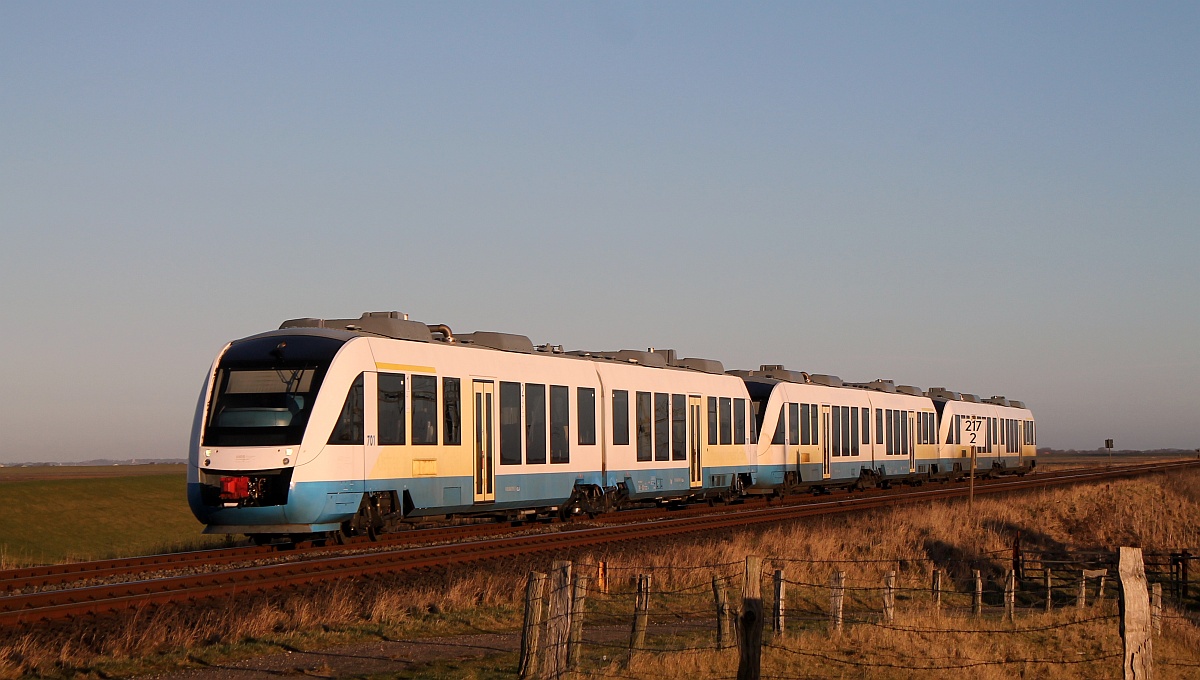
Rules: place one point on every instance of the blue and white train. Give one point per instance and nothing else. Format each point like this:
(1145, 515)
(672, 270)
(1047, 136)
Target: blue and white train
(330, 428)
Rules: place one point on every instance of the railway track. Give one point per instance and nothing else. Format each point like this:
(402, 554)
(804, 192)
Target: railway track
(399, 555)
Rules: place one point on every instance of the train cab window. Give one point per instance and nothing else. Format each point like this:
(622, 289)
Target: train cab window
(424, 409)
(726, 420)
(560, 424)
(620, 416)
(349, 427)
(797, 421)
(712, 421)
(645, 424)
(662, 431)
(678, 427)
(780, 428)
(739, 421)
(390, 408)
(451, 415)
(510, 423)
(535, 423)
(585, 403)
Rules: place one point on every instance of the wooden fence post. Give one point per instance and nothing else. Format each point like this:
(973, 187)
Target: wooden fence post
(1156, 607)
(836, 594)
(558, 622)
(1135, 616)
(578, 602)
(602, 578)
(725, 638)
(1081, 599)
(1010, 594)
(531, 633)
(937, 589)
(889, 597)
(977, 608)
(780, 602)
(641, 614)
(1049, 591)
(750, 622)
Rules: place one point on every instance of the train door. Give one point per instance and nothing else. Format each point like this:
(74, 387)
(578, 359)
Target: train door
(827, 453)
(695, 412)
(485, 460)
(911, 439)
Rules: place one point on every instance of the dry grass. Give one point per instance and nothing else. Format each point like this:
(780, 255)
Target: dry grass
(1155, 513)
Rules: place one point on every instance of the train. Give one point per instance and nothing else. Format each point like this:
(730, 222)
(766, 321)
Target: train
(331, 428)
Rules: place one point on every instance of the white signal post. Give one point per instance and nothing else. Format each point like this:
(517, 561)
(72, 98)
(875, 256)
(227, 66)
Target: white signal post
(969, 430)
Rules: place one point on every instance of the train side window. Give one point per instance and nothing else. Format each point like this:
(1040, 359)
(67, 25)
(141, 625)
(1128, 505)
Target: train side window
(451, 413)
(891, 434)
(535, 423)
(835, 430)
(560, 424)
(866, 426)
(754, 423)
(678, 427)
(813, 414)
(780, 427)
(801, 429)
(645, 422)
(349, 427)
(585, 402)
(739, 421)
(904, 445)
(424, 409)
(620, 410)
(878, 426)
(510, 423)
(712, 421)
(852, 425)
(662, 430)
(390, 408)
(726, 420)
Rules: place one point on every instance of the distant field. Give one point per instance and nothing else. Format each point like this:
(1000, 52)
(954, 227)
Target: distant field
(56, 514)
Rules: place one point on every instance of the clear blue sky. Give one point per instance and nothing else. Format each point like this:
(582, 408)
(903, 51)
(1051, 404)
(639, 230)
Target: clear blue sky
(1000, 198)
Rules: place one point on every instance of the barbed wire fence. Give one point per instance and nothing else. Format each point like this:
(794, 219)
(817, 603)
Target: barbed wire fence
(593, 620)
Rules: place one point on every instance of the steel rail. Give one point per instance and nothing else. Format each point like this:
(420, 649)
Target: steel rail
(51, 605)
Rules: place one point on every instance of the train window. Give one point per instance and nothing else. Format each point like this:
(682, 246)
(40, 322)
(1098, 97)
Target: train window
(878, 426)
(349, 427)
(712, 421)
(797, 417)
(1003, 427)
(904, 443)
(620, 411)
(585, 402)
(451, 415)
(812, 417)
(510, 423)
(866, 427)
(835, 427)
(662, 431)
(726, 420)
(424, 409)
(645, 422)
(755, 423)
(560, 424)
(391, 410)
(535, 423)
(891, 432)
(779, 429)
(852, 424)
(678, 427)
(739, 421)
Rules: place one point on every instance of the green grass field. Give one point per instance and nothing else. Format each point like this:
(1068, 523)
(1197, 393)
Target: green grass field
(124, 513)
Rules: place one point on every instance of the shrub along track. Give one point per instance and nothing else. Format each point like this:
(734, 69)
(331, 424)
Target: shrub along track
(392, 557)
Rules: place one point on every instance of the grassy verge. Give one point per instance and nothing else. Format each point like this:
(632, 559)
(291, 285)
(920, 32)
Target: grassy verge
(1155, 513)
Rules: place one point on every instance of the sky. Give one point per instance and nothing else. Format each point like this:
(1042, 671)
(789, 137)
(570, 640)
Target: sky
(997, 198)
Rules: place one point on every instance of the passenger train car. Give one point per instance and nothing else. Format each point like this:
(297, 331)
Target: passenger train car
(353, 426)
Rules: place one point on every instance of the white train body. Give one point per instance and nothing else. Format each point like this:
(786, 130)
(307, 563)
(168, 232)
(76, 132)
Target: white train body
(352, 425)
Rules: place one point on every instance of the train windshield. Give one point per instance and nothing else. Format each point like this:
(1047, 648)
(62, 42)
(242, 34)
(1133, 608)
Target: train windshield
(264, 390)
